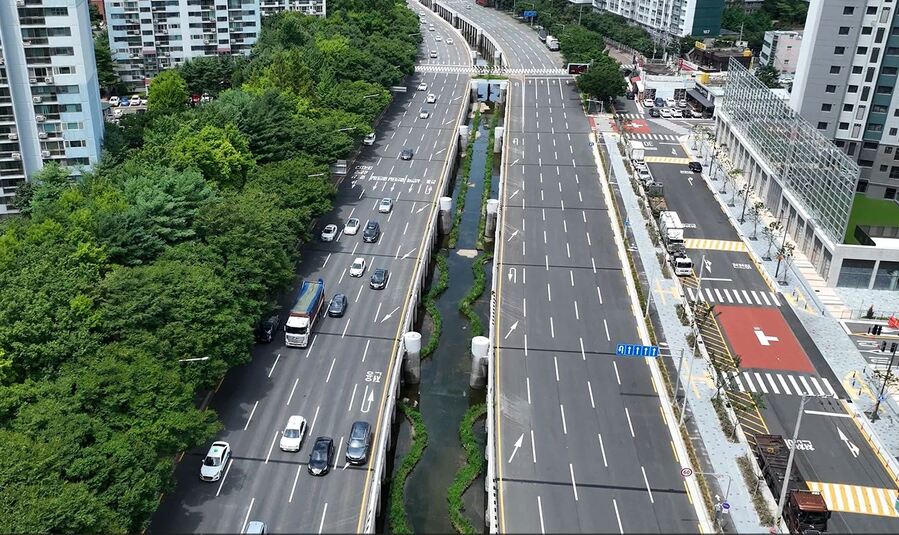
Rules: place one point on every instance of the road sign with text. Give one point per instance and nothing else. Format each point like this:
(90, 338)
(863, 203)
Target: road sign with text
(529, 14)
(636, 350)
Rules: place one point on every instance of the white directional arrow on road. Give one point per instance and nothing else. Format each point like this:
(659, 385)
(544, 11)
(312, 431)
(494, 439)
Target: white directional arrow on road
(387, 317)
(370, 399)
(405, 256)
(513, 235)
(515, 448)
(420, 210)
(512, 328)
(514, 193)
(852, 447)
(690, 180)
(513, 274)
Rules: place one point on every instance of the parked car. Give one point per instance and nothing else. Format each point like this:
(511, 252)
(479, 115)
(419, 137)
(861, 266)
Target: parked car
(293, 434)
(124, 102)
(676, 113)
(423, 113)
(255, 527)
(352, 226)
(265, 331)
(135, 100)
(371, 232)
(659, 102)
(385, 206)
(337, 306)
(406, 154)
(369, 139)
(654, 112)
(432, 98)
(629, 95)
(321, 456)
(422, 86)
(358, 444)
(648, 103)
(379, 279)
(357, 269)
(681, 103)
(696, 167)
(670, 102)
(113, 101)
(329, 232)
(215, 461)
(666, 113)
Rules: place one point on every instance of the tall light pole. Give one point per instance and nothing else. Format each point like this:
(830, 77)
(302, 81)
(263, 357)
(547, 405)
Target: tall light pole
(785, 487)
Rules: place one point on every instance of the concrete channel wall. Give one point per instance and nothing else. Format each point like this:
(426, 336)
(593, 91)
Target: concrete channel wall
(477, 37)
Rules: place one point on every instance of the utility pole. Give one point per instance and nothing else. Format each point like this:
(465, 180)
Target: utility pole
(785, 487)
(782, 245)
(886, 379)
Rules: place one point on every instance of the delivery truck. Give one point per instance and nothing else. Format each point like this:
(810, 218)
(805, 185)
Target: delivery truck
(305, 311)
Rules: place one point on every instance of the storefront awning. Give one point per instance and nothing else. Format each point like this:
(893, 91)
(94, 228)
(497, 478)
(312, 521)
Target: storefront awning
(700, 98)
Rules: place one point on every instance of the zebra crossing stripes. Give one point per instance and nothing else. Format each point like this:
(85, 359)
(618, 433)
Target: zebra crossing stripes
(715, 245)
(467, 69)
(667, 159)
(856, 498)
(654, 137)
(630, 115)
(781, 383)
(734, 296)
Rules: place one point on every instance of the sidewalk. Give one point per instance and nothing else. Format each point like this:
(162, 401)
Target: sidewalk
(818, 307)
(717, 454)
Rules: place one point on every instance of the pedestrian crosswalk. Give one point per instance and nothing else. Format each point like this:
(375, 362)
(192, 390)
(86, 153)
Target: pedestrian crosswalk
(857, 499)
(467, 69)
(733, 296)
(780, 383)
(667, 159)
(653, 137)
(715, 245)
(629, 116)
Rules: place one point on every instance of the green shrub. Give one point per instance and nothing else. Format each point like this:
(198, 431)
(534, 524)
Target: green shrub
(430, 302)
(466, 305)
(462, 191)
(474, 465)
(398, 520)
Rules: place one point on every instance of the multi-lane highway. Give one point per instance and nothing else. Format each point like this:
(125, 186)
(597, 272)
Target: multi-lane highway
(343, 375)
(754, 326)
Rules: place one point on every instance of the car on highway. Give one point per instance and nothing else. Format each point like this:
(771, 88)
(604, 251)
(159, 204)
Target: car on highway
(696, 167)
(449, 41)
(113, 101)
(255, 527)
(371, 232)
(359, 443)
(433, 54)
(666, 113)
(357, 269)
(352, 226)
(215, 461)
(431, 28)
(385, 206)
(654, 112)
(438, 38)
(321, 456)
(293, 434)
(422, 86)
(369, 139)
(379, 279)
(432, 98)
(337, 307)
(648, 103)
(329, 232)
(406, 154)
(265, 331)
(423, 113)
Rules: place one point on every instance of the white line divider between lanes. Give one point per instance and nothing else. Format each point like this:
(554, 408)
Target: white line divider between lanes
(680, 447)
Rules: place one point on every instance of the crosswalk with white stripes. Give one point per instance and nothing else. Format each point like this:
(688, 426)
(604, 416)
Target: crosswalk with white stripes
(653, 137)
(857, 498)
(734, 296)
(624, 116)
(467, 69)
(781, 383)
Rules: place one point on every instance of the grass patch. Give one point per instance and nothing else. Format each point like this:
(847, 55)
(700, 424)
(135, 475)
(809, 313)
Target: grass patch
(463, 187)
(399, 521)
(474, 465)
(758, 498)
(430, 302)
(874, 212)
(466, 305)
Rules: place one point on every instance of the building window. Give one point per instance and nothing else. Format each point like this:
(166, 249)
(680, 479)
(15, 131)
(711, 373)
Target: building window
(822, 125)
(869, 145)
(830, 88)
(872, 10)
(892, 51)
(883, 168)
(839, 50)
(875, 55)
(893, 132)
(852, 89)
(866, 30)
(851, 150)
(848, 10)
(839, 142)
(848, 107)
(888, 71)
(76, 143)
(879, 37)
(875, 128)
(857, 69)
(884, 89)
(861, 50)
(862, 186)
(826, 107)
(865, 163)
(835, 69)
(877, 108)
(844, 30)
(890, 193)
(888, 150)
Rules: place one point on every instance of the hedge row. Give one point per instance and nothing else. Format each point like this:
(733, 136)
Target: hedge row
(463, 187)
(466, 475)
(488, 178)
(437, 288)
(466, 305)
(399, 521)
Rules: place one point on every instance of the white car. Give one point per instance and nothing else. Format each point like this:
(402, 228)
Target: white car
(357, 269)
(385, 206)
(432, 98)
(293, 434)
(329, 232)
(670, 102)
(431, 28)
(352, 226)
(676, 113)
(113, 101)
(648, 103)
(135, 100)
(449, 40)
(423, 113)
(369, 139)
(665, 112)
(433, 54)
(422, 86)
(215, 461)
(681, 103)
(438, 38)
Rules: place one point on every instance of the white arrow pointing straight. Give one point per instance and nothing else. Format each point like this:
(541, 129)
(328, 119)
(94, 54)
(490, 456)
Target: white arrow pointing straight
(515, 448)
(371, 398)
(513, 235)
(420, 210)
(405, 256)
(512, 328)
(514, 193)
(852, 447)
(387, 317)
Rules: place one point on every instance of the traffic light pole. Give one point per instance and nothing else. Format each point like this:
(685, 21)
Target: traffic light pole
(886, 380)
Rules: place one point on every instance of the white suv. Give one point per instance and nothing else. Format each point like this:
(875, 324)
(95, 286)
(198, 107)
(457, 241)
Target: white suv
(215, 461)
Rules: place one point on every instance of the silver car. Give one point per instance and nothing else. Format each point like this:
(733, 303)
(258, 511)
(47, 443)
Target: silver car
(329, 232)
(386, 205)
(215, 461)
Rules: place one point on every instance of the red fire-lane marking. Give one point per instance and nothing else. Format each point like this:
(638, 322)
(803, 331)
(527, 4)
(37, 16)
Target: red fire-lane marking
(762, 339)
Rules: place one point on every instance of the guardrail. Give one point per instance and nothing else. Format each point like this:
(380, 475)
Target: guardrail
(419, 275)
(490, 481)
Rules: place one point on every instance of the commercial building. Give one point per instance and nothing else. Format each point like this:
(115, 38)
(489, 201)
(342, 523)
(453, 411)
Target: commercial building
(845, 85)
(781, 50)
(49, 97)
(679, 18)
(318, 8)
(804, 180)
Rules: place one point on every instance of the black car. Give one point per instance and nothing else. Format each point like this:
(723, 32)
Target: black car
(321, 457)
(358, 444)
(265, 331)
(338, 306)
(371, 232)
(406, 154)
(696, 167)
(654, 112)
(379, 279)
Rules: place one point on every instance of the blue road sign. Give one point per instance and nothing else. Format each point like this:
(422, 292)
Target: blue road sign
(529, 14)
(636, 350)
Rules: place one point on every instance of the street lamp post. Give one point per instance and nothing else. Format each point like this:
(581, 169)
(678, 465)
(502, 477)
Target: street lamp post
(696, 336)
(746, 198)
(782, 245)
(785, 487)
(886, 380)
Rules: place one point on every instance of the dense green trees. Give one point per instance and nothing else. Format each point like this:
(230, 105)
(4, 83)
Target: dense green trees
(603, 80)
(171, 249)
(107, 78)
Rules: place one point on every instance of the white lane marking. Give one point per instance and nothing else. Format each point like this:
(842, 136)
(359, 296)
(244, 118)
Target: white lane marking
(593, 261)
(294, 487)
(345, 327)
(528, 384)
(273, 365)
(339, 447)
(556, 364)
(252, 412)
(524, 307)
(598, 291)
(549, 294)
(331, 369)
(568, 249)
(225, 476)
(564, 425)
(590, 388)
(540, 507)
(649, 490)
(583, 354)
(825, 413)
(571, 276)
(576, 314)
(552, 327)
(352, 398)
(290, 397)
(618, 516)
(573, 483)
(341, 277)
(366, 350)
(321, 526)
(314, 418)
(533, 448)
(270, 448)
(377, 313)
(326, 260)
(603, 450)
(630, 426)
(246, 519)
(606, 325)
(617, 377)
(359, 293)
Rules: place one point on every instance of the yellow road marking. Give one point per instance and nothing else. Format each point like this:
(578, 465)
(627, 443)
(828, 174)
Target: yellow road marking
(715, 245)
(857, 498)
(667, 159)
(874, 449)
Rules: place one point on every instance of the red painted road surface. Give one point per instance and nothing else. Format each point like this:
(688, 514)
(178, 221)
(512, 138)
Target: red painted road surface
(762, 339)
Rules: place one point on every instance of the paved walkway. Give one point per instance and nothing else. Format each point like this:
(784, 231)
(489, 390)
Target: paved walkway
(708, 438)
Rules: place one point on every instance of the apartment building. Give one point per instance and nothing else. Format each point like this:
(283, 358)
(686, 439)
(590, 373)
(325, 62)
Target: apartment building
(49, 97)
(780, 49)
(845, 85)
(680, 18)
(318, 8)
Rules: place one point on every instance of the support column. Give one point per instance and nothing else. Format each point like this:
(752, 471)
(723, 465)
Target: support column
(492, 210)
(479, 347)
(412, 342)
(464, 129)
(445, 216)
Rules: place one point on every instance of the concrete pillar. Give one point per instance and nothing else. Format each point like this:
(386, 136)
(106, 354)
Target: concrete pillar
(499, 138)
(463, 136)
(445, 216)
(492, 210)
(412, 342)
(479, 347)
(497, 58)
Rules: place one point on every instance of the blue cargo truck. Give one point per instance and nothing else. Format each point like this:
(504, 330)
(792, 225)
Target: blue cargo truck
(304, 313)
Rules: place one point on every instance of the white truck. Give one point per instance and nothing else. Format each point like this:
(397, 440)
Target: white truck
(305, 311)
(637, 151)
(672, 230)
(552, 43)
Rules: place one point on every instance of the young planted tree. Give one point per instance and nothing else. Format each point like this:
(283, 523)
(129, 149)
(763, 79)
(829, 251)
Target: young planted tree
(770, 233)
(738, 192)
(755, 214)
(786, 254)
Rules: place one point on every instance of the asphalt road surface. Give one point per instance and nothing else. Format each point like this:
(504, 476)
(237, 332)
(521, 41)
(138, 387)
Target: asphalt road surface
(342, 376)
(779, 361)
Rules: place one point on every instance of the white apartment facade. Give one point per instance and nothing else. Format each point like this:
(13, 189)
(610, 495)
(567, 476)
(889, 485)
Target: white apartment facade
(781, 50)
(680, 18)
(49, 97)
(318, 8)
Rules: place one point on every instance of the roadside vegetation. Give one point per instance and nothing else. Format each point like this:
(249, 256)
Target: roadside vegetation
(398, 520)
(474, 465)
(171, 249)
